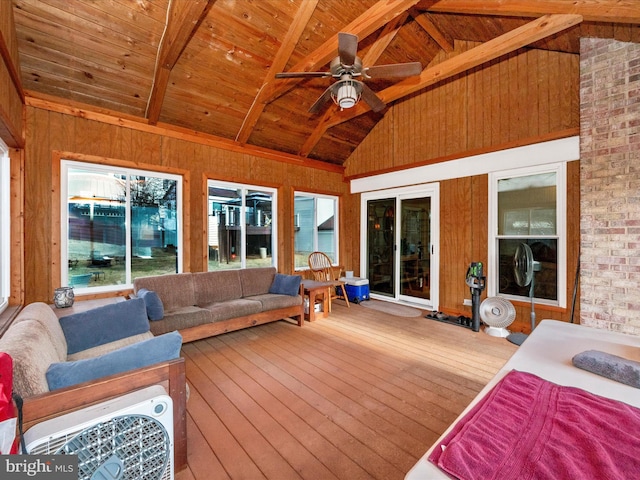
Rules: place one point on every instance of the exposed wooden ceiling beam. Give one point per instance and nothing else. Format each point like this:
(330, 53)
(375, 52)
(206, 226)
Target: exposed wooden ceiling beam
(326, 122)
(531, 32)
(182, 19)
(434, 32)
(618, 11)
(382, 42)
(88, 112)
(374, 18)
(497, 47)
(300, 21)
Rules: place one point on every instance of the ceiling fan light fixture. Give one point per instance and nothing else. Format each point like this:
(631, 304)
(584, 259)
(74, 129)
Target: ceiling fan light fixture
(347, 94)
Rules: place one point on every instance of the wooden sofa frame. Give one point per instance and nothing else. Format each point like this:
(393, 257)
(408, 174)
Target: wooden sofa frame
(170, 374)
(216, 328)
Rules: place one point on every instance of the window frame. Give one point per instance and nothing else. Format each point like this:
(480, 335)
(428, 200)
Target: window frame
(560, 169)
(336, 223)
(65, 165)
(5, 226)
(244, 188)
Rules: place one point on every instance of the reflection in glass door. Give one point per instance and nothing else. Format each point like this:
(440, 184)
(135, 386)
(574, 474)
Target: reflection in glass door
(381, 240)
(415, 241)
(399, 255)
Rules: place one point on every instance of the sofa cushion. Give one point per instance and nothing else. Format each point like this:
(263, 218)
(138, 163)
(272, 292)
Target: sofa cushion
(256, 281)
(104, 324)
(217, 286)
(32, 349)
(286, 284)
(233, 308)
(272, 301)
(141, 354)
(155, 309)
(180, 319)
(109, 347)
(175, 290)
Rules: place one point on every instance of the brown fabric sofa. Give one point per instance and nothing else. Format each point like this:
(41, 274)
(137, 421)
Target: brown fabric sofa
(204, 304)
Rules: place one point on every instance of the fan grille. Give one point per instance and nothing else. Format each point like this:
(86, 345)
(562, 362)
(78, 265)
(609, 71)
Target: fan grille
(141, 442)
(497, 312)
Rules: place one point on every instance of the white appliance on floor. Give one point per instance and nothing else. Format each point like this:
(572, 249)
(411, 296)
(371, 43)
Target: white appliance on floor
(127, 438)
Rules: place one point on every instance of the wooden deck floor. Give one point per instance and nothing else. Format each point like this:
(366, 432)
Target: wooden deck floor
(357, 395)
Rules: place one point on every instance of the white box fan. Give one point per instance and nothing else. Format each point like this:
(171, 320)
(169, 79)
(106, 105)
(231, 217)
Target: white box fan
(127, 438)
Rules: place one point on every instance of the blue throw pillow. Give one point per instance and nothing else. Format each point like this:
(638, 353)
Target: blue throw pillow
(157, 349)
(104, 324)
(286, 284)
(155, 308)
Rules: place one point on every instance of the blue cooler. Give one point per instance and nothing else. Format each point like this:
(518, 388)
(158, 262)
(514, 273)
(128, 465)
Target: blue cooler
(357, 288)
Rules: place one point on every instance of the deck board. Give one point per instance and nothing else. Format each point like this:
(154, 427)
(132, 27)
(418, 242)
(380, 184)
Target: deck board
(357, 395)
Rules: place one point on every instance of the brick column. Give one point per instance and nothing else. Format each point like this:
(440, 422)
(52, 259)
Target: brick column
(610, 184)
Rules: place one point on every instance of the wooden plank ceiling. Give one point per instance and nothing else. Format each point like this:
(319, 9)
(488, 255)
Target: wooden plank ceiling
(210, 65)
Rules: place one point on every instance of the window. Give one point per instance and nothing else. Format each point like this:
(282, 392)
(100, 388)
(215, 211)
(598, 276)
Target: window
(5, 227)
(528, 206)
(242, 226)
(315, 227)
(118, 224)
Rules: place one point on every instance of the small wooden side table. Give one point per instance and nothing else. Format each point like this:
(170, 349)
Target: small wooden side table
(312, 289)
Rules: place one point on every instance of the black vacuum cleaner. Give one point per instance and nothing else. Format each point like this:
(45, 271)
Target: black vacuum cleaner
(476, 282)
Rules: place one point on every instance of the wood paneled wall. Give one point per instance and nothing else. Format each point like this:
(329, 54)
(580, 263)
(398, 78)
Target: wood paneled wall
(11, 95)
(528, 96)
(463, 239)
(12, 133)
(51, 135)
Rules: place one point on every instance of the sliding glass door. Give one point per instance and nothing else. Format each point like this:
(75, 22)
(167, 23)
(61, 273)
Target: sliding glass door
(380, 246)
(400, 238)
(415, 248)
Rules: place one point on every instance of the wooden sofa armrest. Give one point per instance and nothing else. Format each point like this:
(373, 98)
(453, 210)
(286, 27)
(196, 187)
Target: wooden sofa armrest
(170, 374)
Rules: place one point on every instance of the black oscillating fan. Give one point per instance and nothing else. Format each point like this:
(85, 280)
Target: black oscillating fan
(524, 268)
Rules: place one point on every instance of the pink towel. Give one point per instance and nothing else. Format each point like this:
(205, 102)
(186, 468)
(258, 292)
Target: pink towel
(529, 428)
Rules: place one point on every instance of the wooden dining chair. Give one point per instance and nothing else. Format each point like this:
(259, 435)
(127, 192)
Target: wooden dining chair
(323, 271)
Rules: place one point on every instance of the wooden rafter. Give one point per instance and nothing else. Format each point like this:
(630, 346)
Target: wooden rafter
(279, 62)
(434, 32)
(77, 109)
(377, 48)
(531, 32)
(619, 11)
(182, 20)
(376, 17)
(382, 42)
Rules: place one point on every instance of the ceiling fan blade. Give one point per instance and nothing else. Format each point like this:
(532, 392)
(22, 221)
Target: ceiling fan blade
(394, 70)
(302, 74)
(372, 99)
(319, 103)
(347, 48)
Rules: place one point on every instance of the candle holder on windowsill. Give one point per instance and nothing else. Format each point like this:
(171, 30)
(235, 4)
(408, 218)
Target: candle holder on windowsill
(63, 297)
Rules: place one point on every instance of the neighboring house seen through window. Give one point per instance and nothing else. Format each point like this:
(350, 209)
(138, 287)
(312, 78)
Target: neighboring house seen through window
(528, 206)
(118, 224)
(242, 229)
(315, 227)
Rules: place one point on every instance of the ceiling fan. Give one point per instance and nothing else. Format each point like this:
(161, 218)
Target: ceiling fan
(347, 67)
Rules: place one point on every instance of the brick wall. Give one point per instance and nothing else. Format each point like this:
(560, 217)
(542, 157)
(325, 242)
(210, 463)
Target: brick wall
(610, 184)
